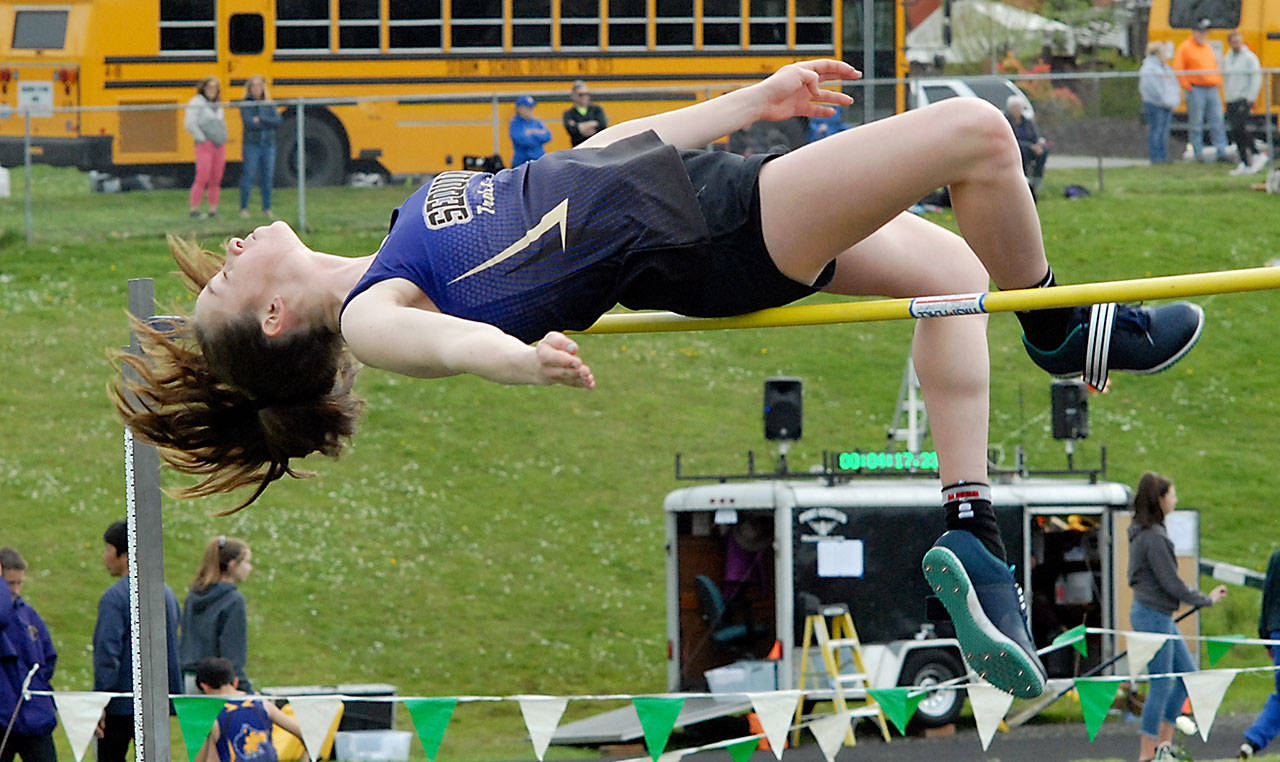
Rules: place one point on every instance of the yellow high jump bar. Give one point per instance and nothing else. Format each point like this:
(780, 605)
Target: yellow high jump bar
(1138, 289)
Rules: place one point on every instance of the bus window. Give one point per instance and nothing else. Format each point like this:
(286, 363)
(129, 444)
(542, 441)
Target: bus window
(245, 34)
(477, 24)
(188, 26)
(721, 27)
(813, 23)
(627, 24)
(1222, 14)
(768, 23)
(358, 26)
(531, 24)
(302, 26)
(39, 30)
(673, 27)
(579, 24)
(415, 26)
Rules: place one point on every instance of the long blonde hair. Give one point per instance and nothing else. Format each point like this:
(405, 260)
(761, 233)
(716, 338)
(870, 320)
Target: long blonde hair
(218, 555)
(248, 87)
(229, 403)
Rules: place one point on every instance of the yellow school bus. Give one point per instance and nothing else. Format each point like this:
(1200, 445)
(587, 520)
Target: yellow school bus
(442, 70)
(1258, 22)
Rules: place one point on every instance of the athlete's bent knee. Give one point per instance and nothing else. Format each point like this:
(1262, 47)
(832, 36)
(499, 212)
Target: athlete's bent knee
(974, 123)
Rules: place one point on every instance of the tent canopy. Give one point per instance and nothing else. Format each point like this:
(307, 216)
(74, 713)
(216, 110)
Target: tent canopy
(982, 30)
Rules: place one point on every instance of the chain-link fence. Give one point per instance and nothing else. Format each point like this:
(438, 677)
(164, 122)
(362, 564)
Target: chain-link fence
(1089, 120)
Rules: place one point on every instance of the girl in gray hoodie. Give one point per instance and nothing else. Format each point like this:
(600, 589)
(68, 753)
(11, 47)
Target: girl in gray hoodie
(214, 622)
(1157, 593)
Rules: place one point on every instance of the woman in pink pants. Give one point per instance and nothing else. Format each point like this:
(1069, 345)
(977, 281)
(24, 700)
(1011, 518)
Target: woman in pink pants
(206, 123)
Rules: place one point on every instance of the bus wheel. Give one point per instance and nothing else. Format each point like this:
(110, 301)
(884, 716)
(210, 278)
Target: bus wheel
(326, 157)
(930, 667)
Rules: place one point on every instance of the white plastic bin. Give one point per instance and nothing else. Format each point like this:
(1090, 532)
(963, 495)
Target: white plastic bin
(4, 183)
(372, 745)
(745, 676)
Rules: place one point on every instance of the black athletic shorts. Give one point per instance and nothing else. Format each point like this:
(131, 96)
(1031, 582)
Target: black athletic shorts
(730, 273)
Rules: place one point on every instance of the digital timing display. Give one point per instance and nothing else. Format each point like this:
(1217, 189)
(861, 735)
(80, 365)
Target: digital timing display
(888, 461)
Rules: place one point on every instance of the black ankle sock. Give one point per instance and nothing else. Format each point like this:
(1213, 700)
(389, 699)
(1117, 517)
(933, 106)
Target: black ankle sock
(968, 507)
(1045, 329)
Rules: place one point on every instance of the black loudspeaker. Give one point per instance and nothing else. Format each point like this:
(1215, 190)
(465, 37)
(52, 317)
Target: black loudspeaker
(782, 410)
(1070, 400)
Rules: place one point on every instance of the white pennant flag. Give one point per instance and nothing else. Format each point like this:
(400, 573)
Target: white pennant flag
(830, 732)
(1142, 646)
(990, 704)
(542, 716)
(315, 715)
(1206, 689)
(80, 712)
(775, 710)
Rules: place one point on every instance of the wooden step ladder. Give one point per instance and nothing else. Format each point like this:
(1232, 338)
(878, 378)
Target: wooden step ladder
(841, 634)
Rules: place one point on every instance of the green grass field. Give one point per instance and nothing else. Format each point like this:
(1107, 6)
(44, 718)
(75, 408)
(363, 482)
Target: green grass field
(498, 541)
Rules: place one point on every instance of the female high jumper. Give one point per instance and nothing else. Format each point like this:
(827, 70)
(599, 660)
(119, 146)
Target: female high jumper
(480, 272)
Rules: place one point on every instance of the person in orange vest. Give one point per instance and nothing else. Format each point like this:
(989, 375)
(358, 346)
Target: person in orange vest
(1201, 85)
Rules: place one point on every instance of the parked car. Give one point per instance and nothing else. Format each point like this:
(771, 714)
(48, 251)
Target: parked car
(994, 90)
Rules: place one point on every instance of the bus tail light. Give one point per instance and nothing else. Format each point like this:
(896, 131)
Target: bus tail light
(67, 77)
(6, 76)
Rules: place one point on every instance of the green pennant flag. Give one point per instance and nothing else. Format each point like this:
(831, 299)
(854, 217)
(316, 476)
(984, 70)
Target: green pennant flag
(1096, 697)
(742, 750)
(897, 705)
(657, 717)
(196, 715)
(430, 718)
(1218, 647)
(1074, 636)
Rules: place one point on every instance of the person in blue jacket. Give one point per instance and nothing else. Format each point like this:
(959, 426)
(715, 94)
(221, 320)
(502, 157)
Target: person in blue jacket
(822, 126)
(1267, 725)
(113, 647)
(258, 159)
(528, 133)
(24, 644)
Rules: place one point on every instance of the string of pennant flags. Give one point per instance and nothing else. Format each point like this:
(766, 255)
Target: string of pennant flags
(80, 710)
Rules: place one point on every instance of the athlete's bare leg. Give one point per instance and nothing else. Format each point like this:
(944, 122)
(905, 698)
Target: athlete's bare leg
(843, 197)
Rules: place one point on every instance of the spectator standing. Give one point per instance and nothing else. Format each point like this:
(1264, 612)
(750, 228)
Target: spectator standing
(1157, 593)
(24, 644)
(208, 126)
(214, 620)
(113, 647)
(1194, 54)
(528, 133)
(1267, 726)
(1241, 83)
(258, 154)
(822, 126)
(242, 731)
(1035, 149)
(584, 118)
(1160, 96)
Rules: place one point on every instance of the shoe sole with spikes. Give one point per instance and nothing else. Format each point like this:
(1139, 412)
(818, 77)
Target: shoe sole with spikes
(988, 652)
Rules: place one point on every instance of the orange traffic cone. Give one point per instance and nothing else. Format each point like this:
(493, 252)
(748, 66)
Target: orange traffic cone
(775, 652)
(755, 728)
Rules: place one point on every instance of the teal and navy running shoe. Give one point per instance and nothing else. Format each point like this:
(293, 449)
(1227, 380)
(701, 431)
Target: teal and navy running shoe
(1122, 337)
(988, 611)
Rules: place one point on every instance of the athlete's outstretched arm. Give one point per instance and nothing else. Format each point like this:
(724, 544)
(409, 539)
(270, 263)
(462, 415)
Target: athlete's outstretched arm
(426, 344)
(791, 91)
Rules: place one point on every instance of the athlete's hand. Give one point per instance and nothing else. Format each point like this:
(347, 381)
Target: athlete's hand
(558, 362)
(793, 90)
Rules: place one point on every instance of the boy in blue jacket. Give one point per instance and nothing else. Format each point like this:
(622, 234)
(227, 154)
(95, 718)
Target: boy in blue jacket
(25, 725)
(528, 133)
(113, 647)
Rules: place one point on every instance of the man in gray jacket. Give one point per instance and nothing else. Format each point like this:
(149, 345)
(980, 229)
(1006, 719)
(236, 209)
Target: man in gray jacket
(1241, 82)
